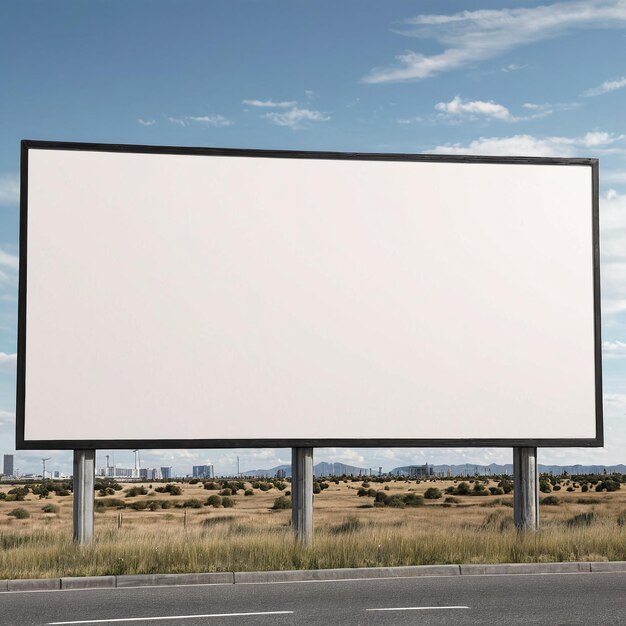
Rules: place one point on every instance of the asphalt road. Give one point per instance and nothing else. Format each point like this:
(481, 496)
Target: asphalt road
(553, 599)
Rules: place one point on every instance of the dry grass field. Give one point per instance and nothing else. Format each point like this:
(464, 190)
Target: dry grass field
(350, 531)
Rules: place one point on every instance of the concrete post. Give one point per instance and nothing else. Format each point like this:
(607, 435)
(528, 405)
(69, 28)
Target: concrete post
(84, 476)
(525, 489)
(302, 494)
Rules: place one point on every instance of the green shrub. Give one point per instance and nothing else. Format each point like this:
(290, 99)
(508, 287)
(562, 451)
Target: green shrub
(193, 503)
(139, 505)
(556, 488)
(139, 490)
(318, 489)
(19, 513)
(282, 502)
(281, 486)
(248, 492)
(432, 493)
(211, 486)
(166, 504)
(396, 502)
(381, 496)
(366, 485)
(265, 486)
(462, 489)
(194, 481)
(50, 508)
(551, 501)
(584, 488)
(496, 491)
(451, 500)
(586, 501)
(228, 502)
(362, 492)
(214, 500)
(412, 499)
(544, 486)
(226, 492)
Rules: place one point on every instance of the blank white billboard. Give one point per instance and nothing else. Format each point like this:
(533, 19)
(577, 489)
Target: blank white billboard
(237, 298)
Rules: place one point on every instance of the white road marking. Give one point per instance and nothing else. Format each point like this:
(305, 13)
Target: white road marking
(419, 608)
(147, 619)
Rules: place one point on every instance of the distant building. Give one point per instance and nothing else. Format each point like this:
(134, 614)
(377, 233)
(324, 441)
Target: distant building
(420, 471)
(8, 465)
(281, 473)
(166, 473)
(121, 472)
(203, 471)
(149, 473)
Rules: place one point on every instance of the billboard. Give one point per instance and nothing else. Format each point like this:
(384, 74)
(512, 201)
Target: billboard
(197, 297)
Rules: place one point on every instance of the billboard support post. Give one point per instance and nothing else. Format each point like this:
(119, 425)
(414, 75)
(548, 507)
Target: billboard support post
(302, 494)
(525, 489)
(83, 478)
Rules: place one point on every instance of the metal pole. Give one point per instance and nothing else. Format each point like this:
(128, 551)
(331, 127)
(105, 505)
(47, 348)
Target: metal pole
(302, 494)
(525, 489)
(84, 474)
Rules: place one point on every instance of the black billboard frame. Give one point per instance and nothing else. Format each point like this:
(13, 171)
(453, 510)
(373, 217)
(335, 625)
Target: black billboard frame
(74, 444)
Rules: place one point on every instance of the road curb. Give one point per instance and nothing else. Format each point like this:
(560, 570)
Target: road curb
(356, 573)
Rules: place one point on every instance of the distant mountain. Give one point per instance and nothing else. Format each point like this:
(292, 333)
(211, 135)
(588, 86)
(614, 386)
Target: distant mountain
(470, 469)
(321, 469)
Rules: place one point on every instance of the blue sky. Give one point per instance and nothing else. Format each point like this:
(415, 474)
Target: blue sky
(500, 78)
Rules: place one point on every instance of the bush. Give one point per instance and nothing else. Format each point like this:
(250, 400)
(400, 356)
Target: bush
(586, 501)
(349, 525)
(265, 486)
(50, 508)
(496, 491)
(248, 492)
(582, 519)
(193, 503)
(282, 502)
(462, 489)
(366, 485)
(228, 502)
(551, 501)
(19, 513)
(412, 499)
(584, 488)
(451, 500)
(396, 502)
(281, 486)
(194, 481)
(226, 492)
(556, 488)
(140, 505)
(544, 486)
(211, 486)
(318, 489)
(362, 492)
(214, 500)
(140, 490)
(432, 493)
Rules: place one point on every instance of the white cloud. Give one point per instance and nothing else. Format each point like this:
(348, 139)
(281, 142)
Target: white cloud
(205, 120)
(296, 118)
(7, 418)
(490, 109)
(606, 86)
(8, 362)
(529, 145)
(409, 120)
(9, 261)
(270, 104)
(146, 122)
(614, 349)
(9, 189)
(513, 67)
(471, 36)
